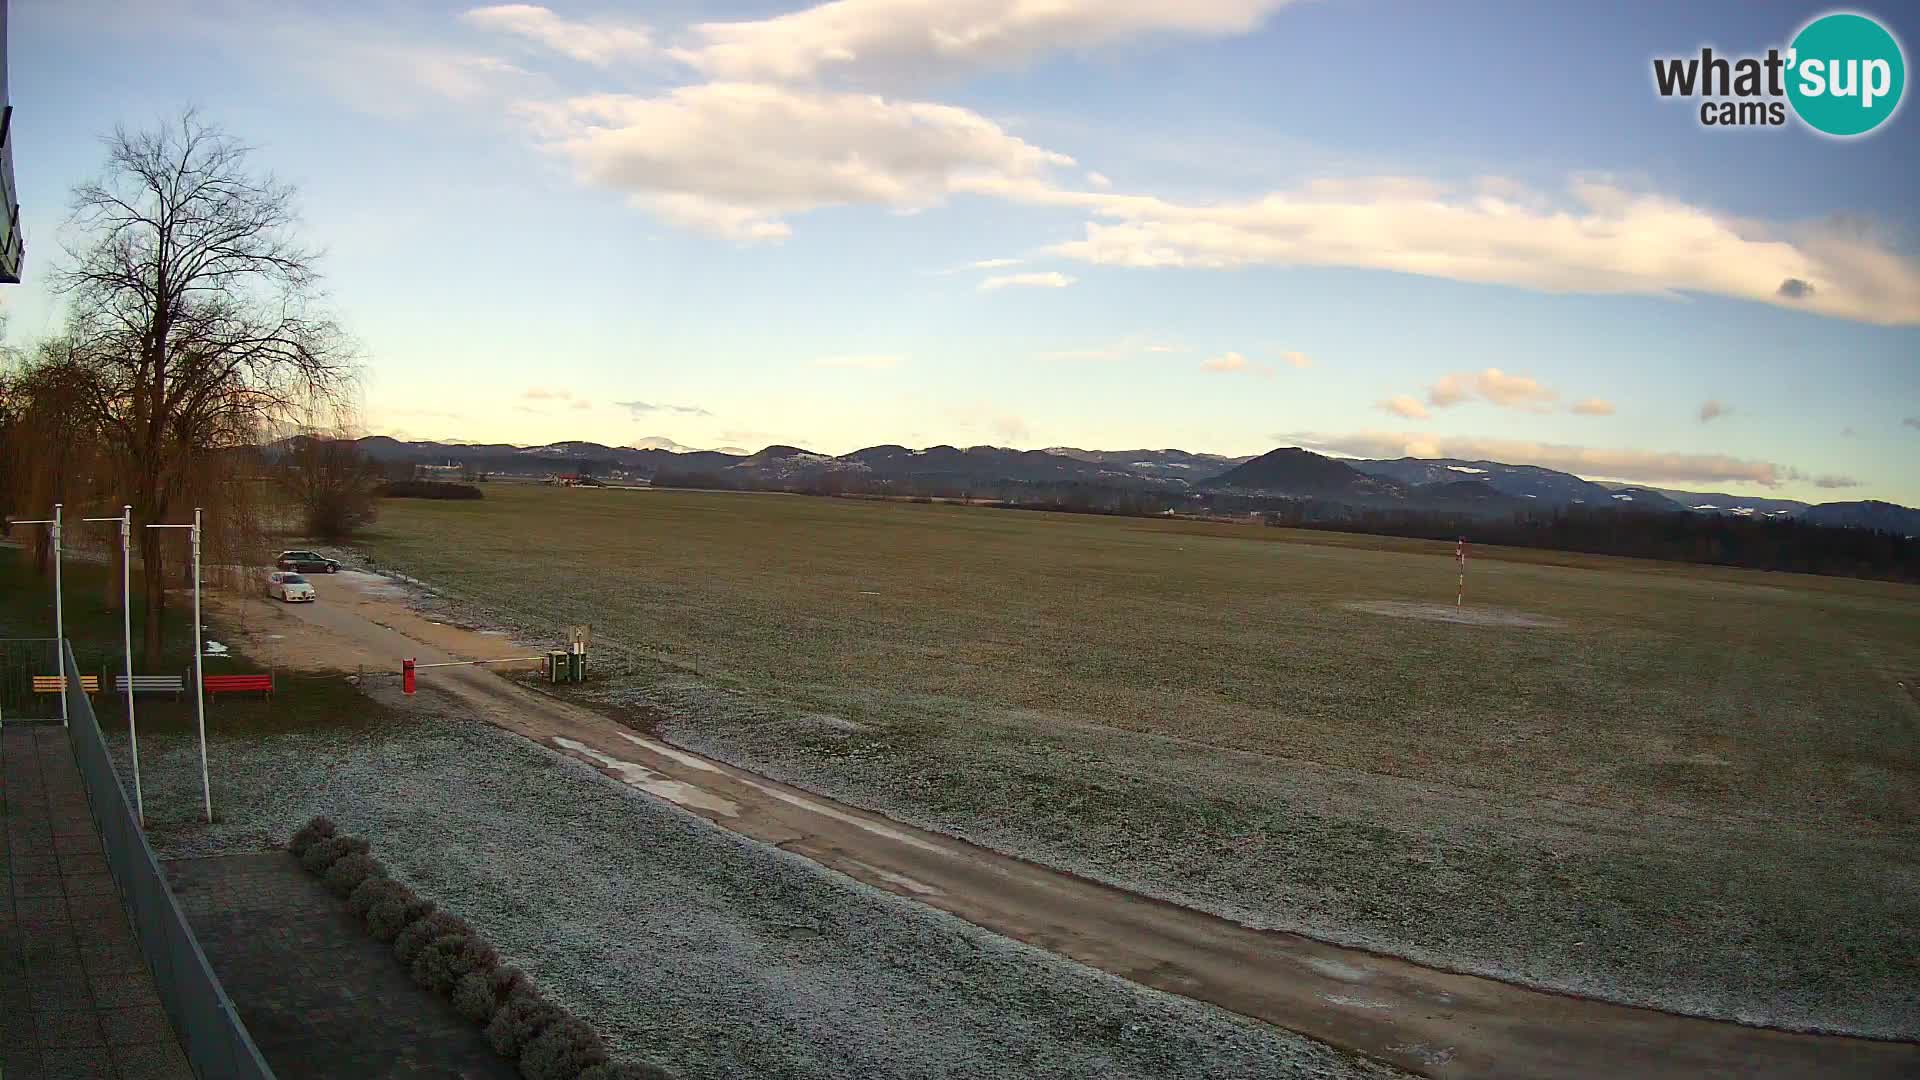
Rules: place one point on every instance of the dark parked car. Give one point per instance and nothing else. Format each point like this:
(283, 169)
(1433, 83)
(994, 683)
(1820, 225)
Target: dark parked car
(306, 562)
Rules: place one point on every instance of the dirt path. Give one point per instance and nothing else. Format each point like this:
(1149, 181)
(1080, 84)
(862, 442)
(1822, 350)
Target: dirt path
(1430, 1022)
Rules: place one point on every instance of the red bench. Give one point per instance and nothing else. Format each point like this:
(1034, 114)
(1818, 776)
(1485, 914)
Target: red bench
(238, 684)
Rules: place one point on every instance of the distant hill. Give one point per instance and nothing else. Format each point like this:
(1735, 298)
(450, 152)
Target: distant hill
(1867, 514)
(1293, 471)
(1718, 502)
(1531, 482)
(1644, 499)
(1465, 493)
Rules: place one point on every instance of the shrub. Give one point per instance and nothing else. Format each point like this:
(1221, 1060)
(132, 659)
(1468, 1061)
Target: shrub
(446, 959)
(347, 872)
(561, 1051)
(372, 891)
(388, 918)
(325, 853)
(516, 1023)
(624, 1070)
(480, 993)
(310, 834)
(409, 943)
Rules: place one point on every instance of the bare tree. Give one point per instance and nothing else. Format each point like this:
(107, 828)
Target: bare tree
(195, 313)
(332, 482)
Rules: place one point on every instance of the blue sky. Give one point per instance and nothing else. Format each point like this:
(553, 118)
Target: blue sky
(1364, 226)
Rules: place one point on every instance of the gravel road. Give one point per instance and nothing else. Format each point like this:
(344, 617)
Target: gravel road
(710, 954)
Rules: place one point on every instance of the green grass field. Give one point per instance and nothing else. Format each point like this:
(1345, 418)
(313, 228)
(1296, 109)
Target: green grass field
(1691, 787)
(1696, 691)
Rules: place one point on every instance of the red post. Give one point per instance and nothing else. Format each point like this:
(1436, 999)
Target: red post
(406, 675)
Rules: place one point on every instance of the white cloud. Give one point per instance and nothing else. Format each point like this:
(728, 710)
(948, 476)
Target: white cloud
(1297, 360)
(919, 38)
(1599, 239)
(1407, 406)
(599, 43)
(1593, 406)
(1494, 386)
(733, 158)
(1832, 481)
(1050, 279)
(542, 394)
(1099, 180)
(993, 264)
(1115, 351)
(863, 363)
(1713, 410)
(1232, 363)
(1643, 466)
(642, 408)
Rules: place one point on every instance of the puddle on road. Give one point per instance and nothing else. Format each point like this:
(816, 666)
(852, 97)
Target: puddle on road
(674, 791)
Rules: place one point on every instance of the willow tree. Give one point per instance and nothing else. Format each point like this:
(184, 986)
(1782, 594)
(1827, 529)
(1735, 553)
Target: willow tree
(197, 318)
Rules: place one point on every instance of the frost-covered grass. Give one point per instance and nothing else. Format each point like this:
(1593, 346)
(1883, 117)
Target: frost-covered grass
(1695, 789)
(689, 946)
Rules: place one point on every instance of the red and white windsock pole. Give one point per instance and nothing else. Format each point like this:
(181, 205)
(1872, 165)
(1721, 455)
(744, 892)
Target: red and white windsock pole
(1460, 553)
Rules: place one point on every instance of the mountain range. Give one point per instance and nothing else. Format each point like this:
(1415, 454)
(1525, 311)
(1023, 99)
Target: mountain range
(1289, 472)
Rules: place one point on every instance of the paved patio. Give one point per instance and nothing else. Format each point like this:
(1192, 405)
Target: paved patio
(320, 997)
(76, 998)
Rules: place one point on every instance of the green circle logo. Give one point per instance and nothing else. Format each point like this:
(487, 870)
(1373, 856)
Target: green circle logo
(1845, 74)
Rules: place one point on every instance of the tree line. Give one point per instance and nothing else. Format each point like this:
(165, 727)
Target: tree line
(195, 333)
(1781, 544)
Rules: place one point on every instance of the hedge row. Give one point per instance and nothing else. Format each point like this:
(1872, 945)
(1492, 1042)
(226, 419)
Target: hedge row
(445, 955)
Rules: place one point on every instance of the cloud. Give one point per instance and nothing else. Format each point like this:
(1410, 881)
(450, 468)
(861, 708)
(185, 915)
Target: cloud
(1593, 406)
(598, 43)
(1911, 421)
(863, 363)
(582, 403)
(540, 393)
(1831, 481)
(1098, 180)
(1596, 238)
(1643, 466)
(1407, 406)
(641, 408)
(1297, 360)
(1051, 279)
(1494, 386)
(1115, 351)
(1232, 363)
(1795, 289)
(734, 159)
(980, 415)
(924, 38)
(1713, 410)
(993, 264)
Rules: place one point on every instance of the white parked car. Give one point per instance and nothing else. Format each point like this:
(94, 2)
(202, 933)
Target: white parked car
(292, 588)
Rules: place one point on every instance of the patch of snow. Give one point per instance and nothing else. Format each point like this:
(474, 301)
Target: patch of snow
(1706, 506)
(1335, 969)
(674, 791)
(1353, 1002)
(1624, 498)
(1465, 469)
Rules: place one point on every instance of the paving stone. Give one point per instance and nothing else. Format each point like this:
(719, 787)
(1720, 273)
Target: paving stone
(59, 992)
(154, 1061)
(137, 1024)
(83, 864)
(30, 885)
(90, 1063)
(77, 843)
(122, 991)
(67, 1027)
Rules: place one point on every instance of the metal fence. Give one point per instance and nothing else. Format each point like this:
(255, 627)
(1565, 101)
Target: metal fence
(217, 1044)
(20, 660)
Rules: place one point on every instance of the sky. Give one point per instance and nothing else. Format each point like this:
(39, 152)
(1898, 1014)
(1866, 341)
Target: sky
(1366, 227)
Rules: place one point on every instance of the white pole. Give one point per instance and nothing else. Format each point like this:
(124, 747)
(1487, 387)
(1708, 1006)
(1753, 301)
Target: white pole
(199, 703)
(126, 629)
(59, 614)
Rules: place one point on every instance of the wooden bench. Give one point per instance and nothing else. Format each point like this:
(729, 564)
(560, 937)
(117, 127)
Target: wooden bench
(238, 684)
(152, 684)
(57, 684)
